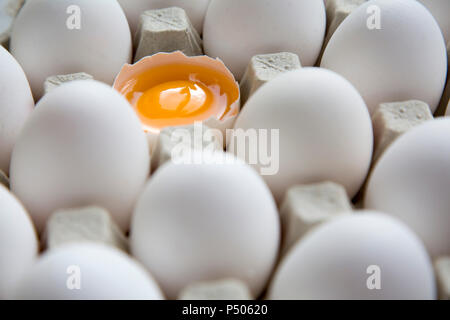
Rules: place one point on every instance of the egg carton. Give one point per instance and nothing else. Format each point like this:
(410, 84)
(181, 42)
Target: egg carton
(196, 10)
(55, 81)
(172, 141)
(442, 267)
(8, 12)
(307, 206)
(88, 224)
(166, 30)
(265, 67)
(321, 232)
(4, 179)
(393, 119)
(443, 109)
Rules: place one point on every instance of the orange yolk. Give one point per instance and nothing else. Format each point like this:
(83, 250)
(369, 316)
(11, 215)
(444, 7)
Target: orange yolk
(174, 95)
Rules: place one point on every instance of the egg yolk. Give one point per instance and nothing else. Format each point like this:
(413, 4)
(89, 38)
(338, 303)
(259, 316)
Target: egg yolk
(173, 95)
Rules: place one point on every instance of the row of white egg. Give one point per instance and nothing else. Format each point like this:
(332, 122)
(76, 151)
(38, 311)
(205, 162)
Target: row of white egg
(44, 161)
(204, 222)
(180, 238)
(414, 68)
(103, 43)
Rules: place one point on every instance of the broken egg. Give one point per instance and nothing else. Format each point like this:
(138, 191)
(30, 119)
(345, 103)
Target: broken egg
(171, 89)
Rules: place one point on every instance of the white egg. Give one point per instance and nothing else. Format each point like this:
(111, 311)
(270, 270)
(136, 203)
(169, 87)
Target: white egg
(362, 256)
(16, 104)
(68, 36)
(411, 181)
(87, 272)
(195, 9)
(402, 60)
(236, 30)
(440, 10)
(18, 242)
(83, 145)
(325, 131)
(200, 222)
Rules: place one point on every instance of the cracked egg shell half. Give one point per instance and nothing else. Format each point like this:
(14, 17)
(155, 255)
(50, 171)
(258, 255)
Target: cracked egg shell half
(171, 89)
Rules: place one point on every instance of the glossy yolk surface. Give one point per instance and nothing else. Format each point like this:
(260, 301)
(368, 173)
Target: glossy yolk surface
(174, 95)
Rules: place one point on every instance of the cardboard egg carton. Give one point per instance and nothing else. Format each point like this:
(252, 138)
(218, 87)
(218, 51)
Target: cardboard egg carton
(447, 109)
(166, 30)
(8, 12)
(88, 224)
(306, 206)
(442, 269)
(227, 289)
(55, 81)
(4, 179)
(197, 137)
(265, 67)
(390, 120)
(443, 108)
